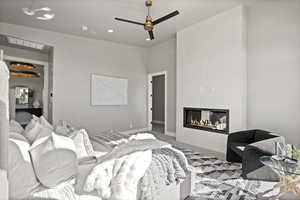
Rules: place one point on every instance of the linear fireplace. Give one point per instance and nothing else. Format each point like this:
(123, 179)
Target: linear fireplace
(214, 120)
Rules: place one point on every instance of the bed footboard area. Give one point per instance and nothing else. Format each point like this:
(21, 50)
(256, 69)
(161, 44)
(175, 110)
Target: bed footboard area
(177, 191)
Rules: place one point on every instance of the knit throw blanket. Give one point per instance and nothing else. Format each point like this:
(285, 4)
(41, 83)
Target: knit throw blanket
(138, 160)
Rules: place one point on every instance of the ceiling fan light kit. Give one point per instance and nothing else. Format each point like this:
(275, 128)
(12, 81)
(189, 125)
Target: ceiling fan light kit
(149, 24)
(43, 13)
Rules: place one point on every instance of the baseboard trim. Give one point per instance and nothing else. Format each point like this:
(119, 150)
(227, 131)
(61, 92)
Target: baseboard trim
(158, 122)
(168, 133)
(128, 132)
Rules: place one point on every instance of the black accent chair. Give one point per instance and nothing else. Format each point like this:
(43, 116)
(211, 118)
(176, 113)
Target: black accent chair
(241, 148)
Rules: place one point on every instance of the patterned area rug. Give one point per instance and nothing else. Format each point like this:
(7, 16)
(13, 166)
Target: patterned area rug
(215, 179)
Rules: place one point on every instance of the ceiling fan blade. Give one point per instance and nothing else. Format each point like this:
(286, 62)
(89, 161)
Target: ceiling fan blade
(173, 14)
(151, 34)
(129, 21)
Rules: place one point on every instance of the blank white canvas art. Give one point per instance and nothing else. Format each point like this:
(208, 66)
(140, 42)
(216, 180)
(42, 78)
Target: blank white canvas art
(106, 90)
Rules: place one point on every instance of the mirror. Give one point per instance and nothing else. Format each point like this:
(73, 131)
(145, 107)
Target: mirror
(22, 95)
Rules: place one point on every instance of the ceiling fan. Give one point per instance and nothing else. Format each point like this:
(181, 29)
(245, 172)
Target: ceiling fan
(149, 24)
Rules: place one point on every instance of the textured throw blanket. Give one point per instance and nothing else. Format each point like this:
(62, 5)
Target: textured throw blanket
(117, 174)
(139, 161)
(120, 177)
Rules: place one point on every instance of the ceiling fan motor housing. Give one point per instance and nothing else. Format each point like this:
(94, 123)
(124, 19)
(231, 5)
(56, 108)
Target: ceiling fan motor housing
(148, 3)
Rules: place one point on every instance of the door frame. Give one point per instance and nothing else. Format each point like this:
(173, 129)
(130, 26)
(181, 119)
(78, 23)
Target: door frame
(150, 77)
(46, 92)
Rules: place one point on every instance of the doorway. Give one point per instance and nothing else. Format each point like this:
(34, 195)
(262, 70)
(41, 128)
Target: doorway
(28, 95)
(157, 98)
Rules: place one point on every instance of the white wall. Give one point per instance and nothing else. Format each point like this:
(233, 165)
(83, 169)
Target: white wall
(274, 67)
(162, 57)
(75, 59)
(211, 73)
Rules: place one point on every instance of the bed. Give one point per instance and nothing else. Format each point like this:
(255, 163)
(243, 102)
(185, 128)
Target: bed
(136, 167)
(173, 190)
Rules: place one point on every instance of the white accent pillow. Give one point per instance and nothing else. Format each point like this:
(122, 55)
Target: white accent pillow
(17, 136)
(83, 145)
(54, 159)
(32, 130)
(14, 126)
(23, 147)
(62, 142)
(21, 176)
(45, 123)
(63, 128)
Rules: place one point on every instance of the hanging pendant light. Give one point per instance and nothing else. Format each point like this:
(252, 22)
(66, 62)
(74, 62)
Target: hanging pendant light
(24, 74)
(21, 65)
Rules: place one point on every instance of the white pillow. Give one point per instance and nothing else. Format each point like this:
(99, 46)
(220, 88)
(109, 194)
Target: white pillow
(82, 143)
(14, 126)
(63, 128)
(21, 176)
(24, 148)
(62, 142)
(45, 123)
(44, 132)
(54, 159)
(32, 130)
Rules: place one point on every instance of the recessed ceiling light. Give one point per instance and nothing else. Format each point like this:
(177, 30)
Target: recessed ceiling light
(46, 9)
(28, 11)
(148, 39)
(46, 17)
(84, 28)
(110, 30)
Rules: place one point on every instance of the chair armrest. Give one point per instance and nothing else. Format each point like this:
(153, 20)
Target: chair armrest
(237, 137)
(254, 169)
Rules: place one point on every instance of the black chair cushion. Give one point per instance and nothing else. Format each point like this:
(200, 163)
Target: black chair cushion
(238, 148)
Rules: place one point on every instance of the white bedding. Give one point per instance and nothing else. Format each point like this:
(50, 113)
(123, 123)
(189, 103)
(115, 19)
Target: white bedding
(118, 179)
(114, 179)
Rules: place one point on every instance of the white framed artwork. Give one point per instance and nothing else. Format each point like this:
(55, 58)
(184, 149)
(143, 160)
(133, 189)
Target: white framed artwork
(107, 90)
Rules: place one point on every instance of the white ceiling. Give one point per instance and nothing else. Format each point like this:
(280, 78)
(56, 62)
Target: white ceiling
(99, 16)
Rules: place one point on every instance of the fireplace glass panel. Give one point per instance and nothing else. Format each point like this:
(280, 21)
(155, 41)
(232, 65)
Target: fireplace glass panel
(215, 120)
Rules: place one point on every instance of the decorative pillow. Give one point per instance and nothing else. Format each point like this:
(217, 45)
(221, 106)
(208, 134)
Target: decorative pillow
(63, 128)
(54, 159)
(45, 123)
(44, 132)
(14, 126)
(82, 143)
(62, 142)
(21, 176)
(32, 129)
(17, 136)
